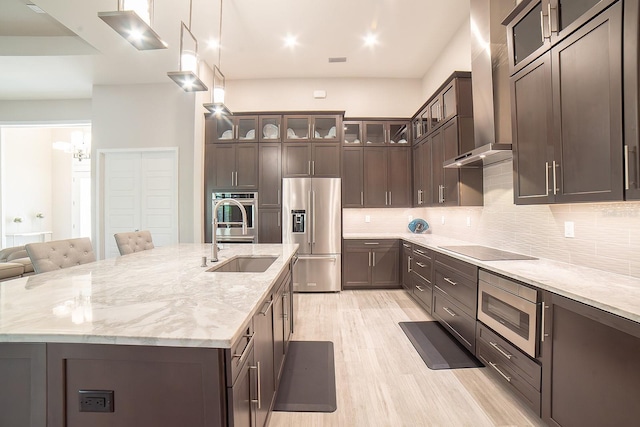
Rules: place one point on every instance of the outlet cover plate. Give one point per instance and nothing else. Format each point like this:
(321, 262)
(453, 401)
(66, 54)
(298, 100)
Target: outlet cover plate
(96, 400)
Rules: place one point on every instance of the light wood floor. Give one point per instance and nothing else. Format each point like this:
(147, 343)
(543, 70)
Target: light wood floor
(380, 378)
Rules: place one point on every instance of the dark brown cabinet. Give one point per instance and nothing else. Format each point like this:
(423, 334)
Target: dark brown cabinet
(371, 264)
(422, 276)
(303, 127)
(312, 159)
(237, 128)
(563, 152)
(405, 265)
(269, 175)
(590, 366)
(387, 176)
(264, 363)
(352, 130)
(384, 132)
(269, 226)
(231, 167)
(422, 166)
(455, 297)
(270, 128)
(352, 177)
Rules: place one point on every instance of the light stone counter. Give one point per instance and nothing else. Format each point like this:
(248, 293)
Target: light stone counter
(614, 293)
(157, 297)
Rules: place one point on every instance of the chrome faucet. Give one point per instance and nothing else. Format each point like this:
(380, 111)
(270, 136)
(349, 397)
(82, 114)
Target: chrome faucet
(214, 240)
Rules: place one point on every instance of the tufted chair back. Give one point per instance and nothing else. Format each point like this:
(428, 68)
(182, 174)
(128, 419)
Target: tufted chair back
(134, 241)
(58, 254)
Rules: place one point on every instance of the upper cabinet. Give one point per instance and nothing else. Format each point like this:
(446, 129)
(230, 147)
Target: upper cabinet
(533, 26)
(237, 128)
(270, 127)
(352, 130)
(383, 132)
(301, 128)
(564, 151)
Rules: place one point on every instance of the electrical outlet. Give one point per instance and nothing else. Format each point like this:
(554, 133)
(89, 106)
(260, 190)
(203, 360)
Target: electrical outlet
(367, 218)
(442, 220)
(468, 221)
(96, 400)
(569, 230)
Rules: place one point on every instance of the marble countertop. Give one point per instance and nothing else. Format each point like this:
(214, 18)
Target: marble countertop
(611, 292)
(157, 297)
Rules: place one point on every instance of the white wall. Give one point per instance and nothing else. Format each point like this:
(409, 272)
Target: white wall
(151, 116)
(45, 111)
(456, 56)
(357, 97)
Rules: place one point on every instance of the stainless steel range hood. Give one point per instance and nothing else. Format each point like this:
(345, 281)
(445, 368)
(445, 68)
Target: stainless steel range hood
(490, 86)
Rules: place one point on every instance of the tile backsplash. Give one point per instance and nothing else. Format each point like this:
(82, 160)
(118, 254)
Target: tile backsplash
(607, 235)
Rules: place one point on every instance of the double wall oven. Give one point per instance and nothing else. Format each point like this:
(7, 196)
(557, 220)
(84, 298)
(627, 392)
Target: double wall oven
(511, 309)
(232, 233)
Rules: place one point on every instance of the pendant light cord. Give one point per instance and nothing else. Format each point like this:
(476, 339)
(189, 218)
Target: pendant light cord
(220, 37)
(190, 12)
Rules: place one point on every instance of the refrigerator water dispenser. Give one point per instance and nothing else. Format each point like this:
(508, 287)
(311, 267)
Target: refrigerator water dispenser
(298, 220)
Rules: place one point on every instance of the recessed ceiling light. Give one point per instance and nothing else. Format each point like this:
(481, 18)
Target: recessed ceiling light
(370, 40)
(290, 41)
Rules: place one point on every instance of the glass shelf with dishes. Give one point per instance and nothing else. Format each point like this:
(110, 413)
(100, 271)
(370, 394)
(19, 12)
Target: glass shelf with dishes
(231, 129)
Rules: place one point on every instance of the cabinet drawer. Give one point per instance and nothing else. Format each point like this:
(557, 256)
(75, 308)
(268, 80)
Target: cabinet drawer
(423, 292)
(238, 354)
(506, 373)
(407, 247)
(419, 250)
(371, 243)
(422, 266)
(459, 288)
(454, 319)
(509, 355)
(464, 269)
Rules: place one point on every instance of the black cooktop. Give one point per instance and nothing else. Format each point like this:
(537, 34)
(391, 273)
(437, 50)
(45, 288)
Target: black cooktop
(484, 253)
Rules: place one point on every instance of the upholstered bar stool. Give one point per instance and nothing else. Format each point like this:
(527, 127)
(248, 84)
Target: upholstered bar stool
(58, 254)
(134, 241)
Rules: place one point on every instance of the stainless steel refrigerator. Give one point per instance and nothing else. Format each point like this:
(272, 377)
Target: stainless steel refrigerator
(312, 217)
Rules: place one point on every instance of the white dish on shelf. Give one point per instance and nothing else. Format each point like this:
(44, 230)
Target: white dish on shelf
(291, 133)
(356, 141)
(332, 132)
(317, 135)
(251, 134)
(227, 134)
(270, 131)
(402, 141)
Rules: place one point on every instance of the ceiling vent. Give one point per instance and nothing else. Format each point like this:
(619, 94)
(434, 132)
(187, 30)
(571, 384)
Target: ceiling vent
(338, 59)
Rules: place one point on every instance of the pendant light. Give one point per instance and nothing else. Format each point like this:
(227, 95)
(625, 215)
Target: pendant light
(132, 21)
(217, 106)
(187, 78)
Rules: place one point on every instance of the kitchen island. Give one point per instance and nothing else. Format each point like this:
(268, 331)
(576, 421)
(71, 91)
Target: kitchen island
(168, 338)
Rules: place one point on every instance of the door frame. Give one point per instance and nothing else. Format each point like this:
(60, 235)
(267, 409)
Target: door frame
(99, 221)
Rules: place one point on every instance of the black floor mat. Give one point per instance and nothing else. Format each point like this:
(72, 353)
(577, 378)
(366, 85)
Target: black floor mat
(437, 347)
(308, 382)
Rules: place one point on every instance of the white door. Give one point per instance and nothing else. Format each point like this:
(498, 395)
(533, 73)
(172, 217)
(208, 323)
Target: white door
(140, 193)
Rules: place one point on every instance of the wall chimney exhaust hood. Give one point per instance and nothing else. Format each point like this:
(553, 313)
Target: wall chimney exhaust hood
(490, 86)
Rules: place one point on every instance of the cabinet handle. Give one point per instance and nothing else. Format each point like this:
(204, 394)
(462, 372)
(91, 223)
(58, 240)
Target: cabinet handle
(313, 217)
(555, 185)
(440, 289)
(419, 288)
(406, 245)
(265, 311)
(542, 332)
(232, 175)
(390, 202)
(278, 196)
(386, 198)
(369, 258)
(285, 314)
(309, 131)
(421, 264)
(626, 167)
(313, 167)
(371, 243)
(374, 258)
(495, 366)
(450, 281)
(309, 204)
(236, 178)
(420, 251)
(500, 350)
(362, 198)
(546, 177)
(448, 310)
(542, 26)
(409, 264)
(309, 168)
(259, 400)
(279, 218)
(553, 27)
(244, 351)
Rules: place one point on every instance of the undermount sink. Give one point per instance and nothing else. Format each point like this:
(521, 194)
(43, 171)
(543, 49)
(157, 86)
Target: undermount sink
(244, 264)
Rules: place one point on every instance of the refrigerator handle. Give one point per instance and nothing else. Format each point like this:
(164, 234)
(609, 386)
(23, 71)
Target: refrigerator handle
(313, 213)
(308, 231)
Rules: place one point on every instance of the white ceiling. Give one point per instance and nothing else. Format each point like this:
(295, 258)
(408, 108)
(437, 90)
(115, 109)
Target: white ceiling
(42, 58)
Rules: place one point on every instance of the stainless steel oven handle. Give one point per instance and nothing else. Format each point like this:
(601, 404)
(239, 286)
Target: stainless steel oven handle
(326, 258)
(500, 350)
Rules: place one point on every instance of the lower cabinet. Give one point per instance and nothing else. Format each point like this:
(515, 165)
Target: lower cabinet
(263, 323)
(590, 366)
(405, 266)
(370, 264)
(422, 276)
